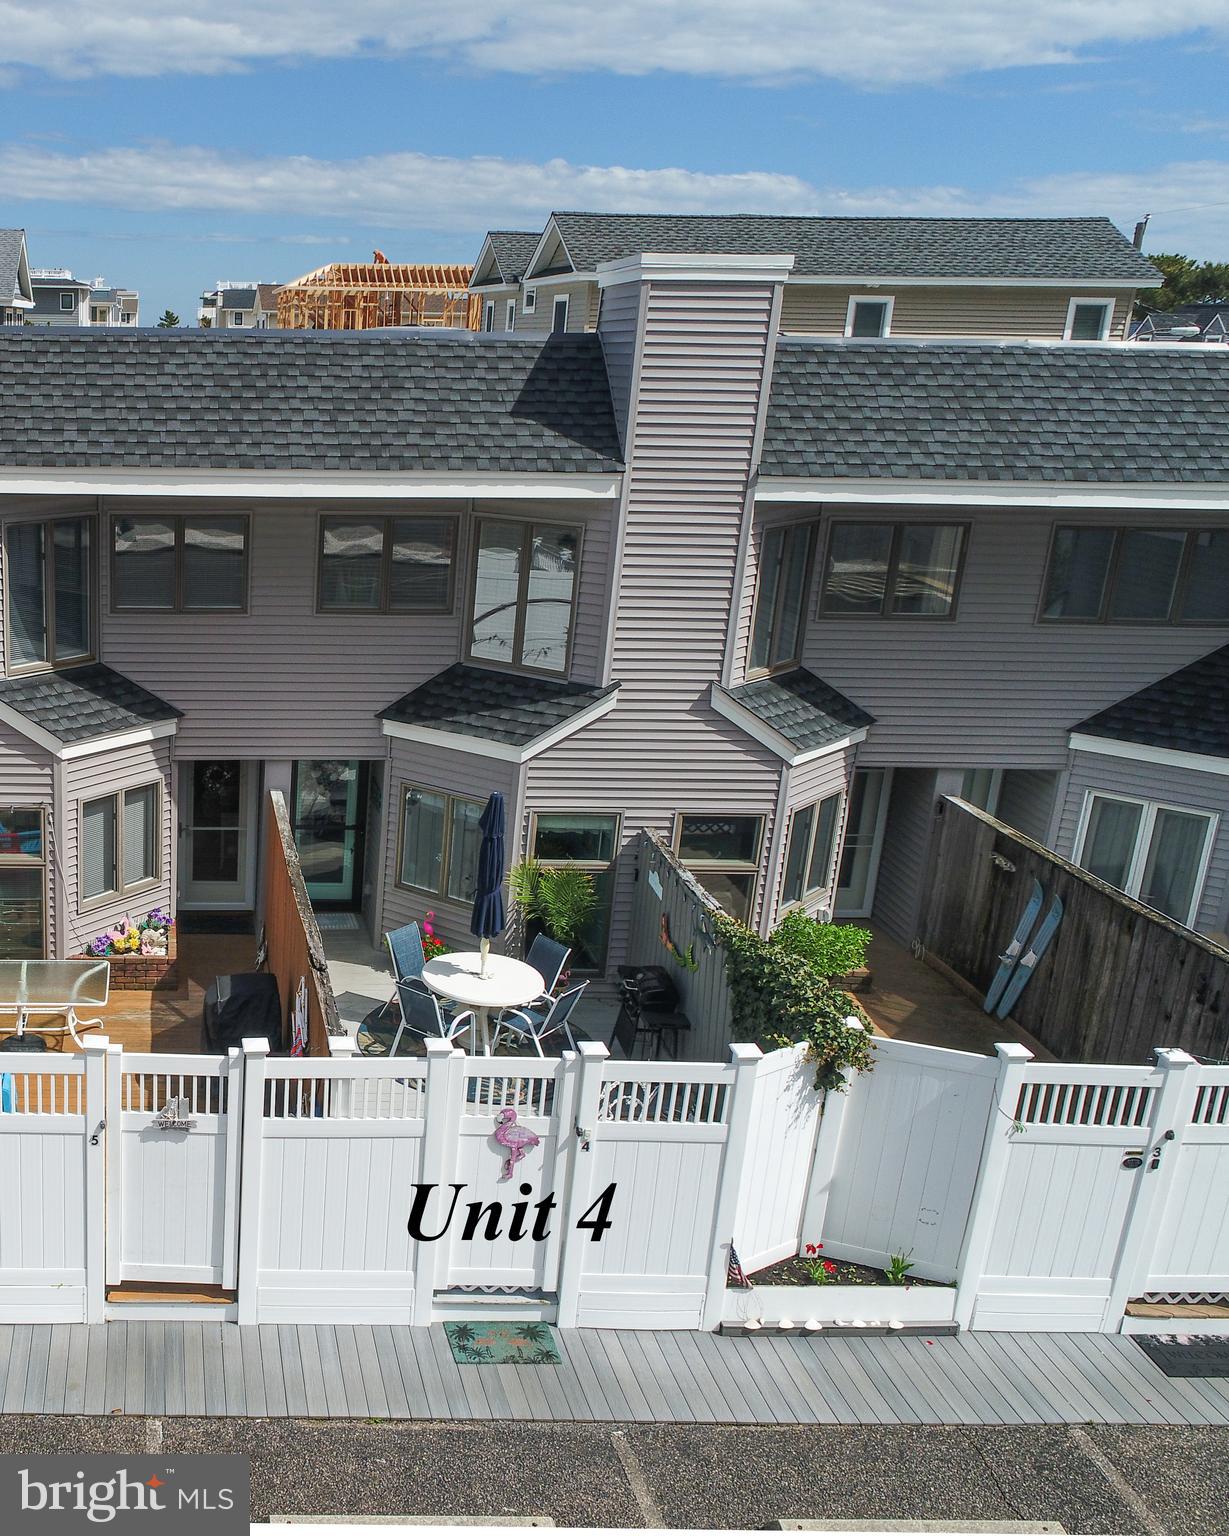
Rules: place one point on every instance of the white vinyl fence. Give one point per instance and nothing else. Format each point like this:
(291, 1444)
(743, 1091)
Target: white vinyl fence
(608, 1193)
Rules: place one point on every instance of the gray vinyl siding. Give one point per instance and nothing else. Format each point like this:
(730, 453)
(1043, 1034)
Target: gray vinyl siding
(1026, 801)
(620, 310)
(583, 303)
(806, 784)
(27, 779)
(1182, 787)
(992, 687)
(282, 681)
(108, 773)
(455, 772)
(820, 310)
(663, 749)
(906, 846)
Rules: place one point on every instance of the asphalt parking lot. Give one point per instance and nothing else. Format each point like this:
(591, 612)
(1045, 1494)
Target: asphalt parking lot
(1152, 1480)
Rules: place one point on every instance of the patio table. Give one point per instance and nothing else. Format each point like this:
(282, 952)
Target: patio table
(56, 987)
(508, 983)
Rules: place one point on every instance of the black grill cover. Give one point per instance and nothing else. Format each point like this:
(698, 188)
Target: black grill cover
(650, 987)
(243, 1007)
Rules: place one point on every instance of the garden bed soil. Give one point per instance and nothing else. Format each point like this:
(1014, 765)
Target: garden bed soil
(797, 1271)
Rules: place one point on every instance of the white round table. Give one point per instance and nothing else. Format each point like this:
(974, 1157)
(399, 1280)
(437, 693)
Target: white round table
(508, 983)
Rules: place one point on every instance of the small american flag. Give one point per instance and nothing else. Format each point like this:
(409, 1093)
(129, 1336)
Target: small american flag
(735, 1274)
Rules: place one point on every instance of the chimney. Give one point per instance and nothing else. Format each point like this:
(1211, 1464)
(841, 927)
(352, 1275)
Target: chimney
(1137, 239)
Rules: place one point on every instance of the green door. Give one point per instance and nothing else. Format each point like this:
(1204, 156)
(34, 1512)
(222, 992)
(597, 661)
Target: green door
(330, 806)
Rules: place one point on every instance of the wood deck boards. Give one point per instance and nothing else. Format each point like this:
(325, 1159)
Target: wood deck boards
(365, 1370)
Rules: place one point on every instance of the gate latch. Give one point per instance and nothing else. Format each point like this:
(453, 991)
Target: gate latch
(98, 1130)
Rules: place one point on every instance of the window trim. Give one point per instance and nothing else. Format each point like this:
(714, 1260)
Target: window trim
(518, 634)
(25, 668)
(828, 889)
(384, 609)
(792, 662)
(510, 315)
(530, 304)
(566, 300)
(1173, 620)
(887, 300)
(67, 308)
(889, 582)
(1143, 843)
(488, 315)
(180, 520)
(404, 788)
(1107, 326)
(42, 864)
(120, 890)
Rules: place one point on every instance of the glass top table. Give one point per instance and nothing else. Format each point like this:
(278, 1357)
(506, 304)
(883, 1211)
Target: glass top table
(57, 988)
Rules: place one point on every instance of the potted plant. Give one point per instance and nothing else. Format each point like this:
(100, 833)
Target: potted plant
(560, 898)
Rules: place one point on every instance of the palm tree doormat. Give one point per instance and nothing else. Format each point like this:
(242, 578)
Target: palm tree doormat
(502, 1344)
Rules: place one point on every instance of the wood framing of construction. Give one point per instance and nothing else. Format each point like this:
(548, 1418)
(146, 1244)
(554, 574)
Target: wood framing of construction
(358, 296)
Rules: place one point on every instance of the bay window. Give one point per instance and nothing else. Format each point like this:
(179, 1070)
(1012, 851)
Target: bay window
(1137, 576)
(23, 884)
(1156, 853)
(440, 836)
(49, 588)
(524, 596)
(723, 853)
(780, 598)
(812, 844)
(892, 570)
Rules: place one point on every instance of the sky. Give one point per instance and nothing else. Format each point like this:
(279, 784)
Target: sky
(166, 148)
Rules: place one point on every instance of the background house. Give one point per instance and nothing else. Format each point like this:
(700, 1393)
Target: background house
(16, 290)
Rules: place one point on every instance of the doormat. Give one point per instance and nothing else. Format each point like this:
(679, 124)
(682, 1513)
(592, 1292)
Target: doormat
(1187, 1354)
(337, 922)
(216, 922)
(502, 1344)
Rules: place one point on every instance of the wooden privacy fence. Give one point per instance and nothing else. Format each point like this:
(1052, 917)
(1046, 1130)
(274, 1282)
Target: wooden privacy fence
(1117, 976)
(668, 903)
(292, 935)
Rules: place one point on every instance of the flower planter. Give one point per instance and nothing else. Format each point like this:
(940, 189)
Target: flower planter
(871, 1306)
(145, 973)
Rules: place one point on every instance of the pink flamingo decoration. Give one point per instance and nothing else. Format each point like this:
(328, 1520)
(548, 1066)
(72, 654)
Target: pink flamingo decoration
(515, 1137)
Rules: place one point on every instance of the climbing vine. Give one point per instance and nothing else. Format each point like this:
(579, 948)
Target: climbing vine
(781, 997)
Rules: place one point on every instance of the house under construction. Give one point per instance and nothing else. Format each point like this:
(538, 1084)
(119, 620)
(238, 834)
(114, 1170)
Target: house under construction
(359, 296)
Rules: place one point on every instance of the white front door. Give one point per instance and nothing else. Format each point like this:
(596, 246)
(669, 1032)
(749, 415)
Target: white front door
(217, 833)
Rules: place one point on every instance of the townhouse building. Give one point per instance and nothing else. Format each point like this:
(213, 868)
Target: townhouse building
(767, 592)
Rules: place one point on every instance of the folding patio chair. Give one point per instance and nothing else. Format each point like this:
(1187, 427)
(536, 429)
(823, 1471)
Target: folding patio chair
(535, 1023)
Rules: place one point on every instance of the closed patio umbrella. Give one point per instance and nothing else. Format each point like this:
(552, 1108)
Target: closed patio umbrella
(488, 917)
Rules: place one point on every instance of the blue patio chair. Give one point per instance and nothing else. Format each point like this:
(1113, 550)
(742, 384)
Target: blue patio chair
(535, 1023)
(550, 959)
(406, 952)
(419, 1018)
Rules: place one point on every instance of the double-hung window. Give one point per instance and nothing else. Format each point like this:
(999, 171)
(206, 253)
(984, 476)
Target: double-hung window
(49, 593)
(869, 316)
(524, 601)
(812, 847)
(1089, 319)
(169, 563)
(439, 843)
(23, 883)
(892, 570)
(387, 564)
(723, 853)
(780, 598)
(1137, 576)
(119, 853)
(1156, 853)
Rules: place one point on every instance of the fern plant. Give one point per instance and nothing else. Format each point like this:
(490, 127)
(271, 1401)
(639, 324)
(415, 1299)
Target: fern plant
(562, 898)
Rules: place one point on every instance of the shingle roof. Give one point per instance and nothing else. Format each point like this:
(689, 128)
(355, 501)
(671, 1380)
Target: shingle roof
(11, 241)
(1082, 250)
(238, 298)
(967, 411)
(267, 294)
(1188, 711)
(512, 249)
(498, 706)
(84, 702)
(808, 712)
(306, 400)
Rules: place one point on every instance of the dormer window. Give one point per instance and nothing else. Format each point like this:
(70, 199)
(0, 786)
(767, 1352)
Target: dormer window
(868, 316)
(1088, 319)
(531, 300)
(559, 315)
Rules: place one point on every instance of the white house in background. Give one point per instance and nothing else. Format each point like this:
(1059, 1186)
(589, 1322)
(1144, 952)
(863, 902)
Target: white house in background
(60, 299)
(16, 291)
(239, 306)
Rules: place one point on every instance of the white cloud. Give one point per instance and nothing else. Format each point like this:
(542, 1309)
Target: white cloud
(873, 43)
(458, 198)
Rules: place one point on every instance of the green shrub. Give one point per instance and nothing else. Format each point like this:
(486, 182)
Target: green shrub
(779, 998)
(831, 949)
